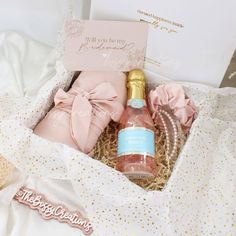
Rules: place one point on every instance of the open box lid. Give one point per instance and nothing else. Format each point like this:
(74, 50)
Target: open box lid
(188, 41)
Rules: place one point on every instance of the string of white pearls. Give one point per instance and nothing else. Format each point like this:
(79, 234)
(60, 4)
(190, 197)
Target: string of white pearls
(170, 152)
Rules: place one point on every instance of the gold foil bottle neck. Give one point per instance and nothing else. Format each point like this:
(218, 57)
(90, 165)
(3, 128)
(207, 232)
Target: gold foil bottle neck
(136, 84)
(136, 75)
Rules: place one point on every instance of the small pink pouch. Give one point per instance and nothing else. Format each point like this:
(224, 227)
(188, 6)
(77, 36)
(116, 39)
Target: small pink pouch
(81, 114)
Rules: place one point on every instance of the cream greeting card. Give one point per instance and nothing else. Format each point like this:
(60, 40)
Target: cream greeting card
(105, 45)
(188, 40)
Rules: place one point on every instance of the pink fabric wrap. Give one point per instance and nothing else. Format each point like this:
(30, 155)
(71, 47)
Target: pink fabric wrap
(173, 96)
(81, 114)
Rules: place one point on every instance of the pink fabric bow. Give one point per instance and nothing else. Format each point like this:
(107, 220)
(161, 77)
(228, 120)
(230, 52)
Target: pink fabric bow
(173, 96)
(86, 109)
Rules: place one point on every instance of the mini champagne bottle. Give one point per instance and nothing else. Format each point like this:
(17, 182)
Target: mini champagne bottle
(136, 140)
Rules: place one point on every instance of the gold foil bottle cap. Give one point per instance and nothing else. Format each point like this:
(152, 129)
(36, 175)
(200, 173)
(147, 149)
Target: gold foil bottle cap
(136, 84)
(136, 75)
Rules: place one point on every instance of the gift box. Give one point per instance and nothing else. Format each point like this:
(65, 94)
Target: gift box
(198, 199)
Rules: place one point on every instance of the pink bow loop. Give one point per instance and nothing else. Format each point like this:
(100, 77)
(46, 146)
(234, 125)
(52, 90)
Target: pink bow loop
(63, 100)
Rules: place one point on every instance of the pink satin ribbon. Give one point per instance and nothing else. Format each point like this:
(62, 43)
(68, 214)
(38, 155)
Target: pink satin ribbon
(86, 108)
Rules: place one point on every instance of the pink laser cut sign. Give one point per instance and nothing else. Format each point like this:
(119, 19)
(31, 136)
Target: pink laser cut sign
(49, 210)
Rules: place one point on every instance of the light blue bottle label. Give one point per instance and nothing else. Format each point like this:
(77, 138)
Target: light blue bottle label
(136, 103)
(135, 140)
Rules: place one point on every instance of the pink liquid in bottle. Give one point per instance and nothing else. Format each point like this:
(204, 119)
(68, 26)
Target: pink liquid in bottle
(136, 139)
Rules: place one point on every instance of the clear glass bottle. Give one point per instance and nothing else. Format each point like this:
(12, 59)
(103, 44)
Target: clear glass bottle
(136, 139)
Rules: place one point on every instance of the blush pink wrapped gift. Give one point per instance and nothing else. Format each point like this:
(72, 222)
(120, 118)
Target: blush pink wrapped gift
(81, 114)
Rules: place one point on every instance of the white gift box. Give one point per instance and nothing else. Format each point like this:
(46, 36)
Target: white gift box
(188, 41)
